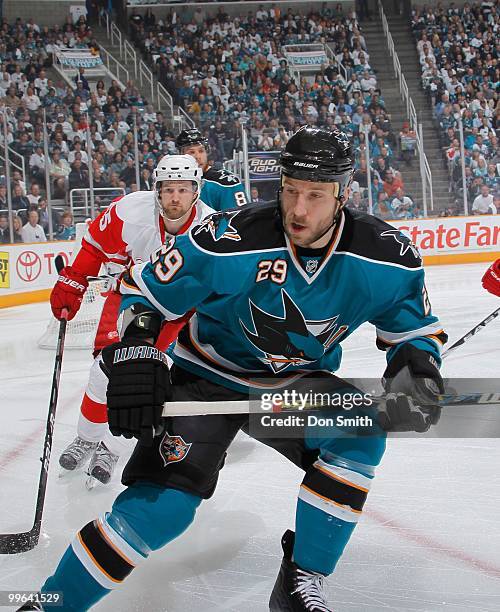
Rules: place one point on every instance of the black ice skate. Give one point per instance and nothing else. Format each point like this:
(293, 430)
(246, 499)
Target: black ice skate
(296, 590)
(31, 606)
(101, 466)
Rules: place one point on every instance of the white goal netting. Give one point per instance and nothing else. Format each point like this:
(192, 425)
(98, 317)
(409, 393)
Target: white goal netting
(80, 332)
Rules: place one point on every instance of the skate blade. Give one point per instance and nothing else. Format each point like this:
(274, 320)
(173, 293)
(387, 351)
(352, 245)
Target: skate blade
(65, 474)
(90, 483)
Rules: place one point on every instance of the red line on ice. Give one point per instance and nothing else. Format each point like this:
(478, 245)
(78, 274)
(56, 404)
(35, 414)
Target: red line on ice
(434, 545)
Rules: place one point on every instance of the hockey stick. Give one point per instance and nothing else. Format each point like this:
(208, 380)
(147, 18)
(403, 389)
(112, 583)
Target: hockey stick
(11, 543)
(171, 409)
(472, 332)
(244, 407)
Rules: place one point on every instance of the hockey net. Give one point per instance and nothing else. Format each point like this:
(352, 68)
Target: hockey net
(80, 331)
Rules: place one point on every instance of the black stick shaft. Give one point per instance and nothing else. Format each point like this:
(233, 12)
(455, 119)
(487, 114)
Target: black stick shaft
(11, 543)
(472, 332)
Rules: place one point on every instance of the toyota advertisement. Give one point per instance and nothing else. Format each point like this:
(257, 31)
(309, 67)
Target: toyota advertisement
(25, 268)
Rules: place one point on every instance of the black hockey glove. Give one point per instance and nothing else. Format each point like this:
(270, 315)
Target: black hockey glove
(413, 383)
(137, 389)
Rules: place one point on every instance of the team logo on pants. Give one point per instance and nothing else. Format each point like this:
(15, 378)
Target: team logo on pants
(173, 449)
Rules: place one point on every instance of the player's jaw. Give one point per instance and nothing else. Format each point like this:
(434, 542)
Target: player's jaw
(308, 212)
(199, 153)
(177, 198)
(308, 234)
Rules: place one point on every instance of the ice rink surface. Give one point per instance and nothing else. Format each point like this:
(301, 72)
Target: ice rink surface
(429, 539)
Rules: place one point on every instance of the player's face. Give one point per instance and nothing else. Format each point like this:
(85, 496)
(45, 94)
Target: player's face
(177, 198)
(199, 153)
(308, 210)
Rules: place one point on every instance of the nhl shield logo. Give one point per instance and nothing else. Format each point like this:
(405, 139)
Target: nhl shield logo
(173, 449)
(311, 266)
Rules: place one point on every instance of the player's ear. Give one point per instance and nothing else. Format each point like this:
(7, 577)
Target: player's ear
(347, 195)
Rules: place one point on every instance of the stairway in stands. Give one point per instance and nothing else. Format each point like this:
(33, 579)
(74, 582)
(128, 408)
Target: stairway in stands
(381, 62)
(102, 39)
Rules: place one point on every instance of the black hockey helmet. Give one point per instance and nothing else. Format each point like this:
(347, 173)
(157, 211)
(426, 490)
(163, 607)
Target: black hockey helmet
(191, 137)
(319, 154)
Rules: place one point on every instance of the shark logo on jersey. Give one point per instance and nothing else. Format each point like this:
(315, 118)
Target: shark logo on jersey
(219, 226)
(405, 245)
(173, 449)
(227, 177)
(290, 339)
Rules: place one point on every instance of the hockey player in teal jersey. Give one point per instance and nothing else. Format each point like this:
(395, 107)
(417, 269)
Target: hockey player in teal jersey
(220, 189)
(276, 289)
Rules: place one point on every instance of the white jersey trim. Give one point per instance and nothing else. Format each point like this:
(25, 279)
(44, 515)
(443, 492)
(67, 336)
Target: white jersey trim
(90, 565)
(344, 513)
(349, 476)
(376, 261)
(397, 337)
(184, 354)
(136, 272)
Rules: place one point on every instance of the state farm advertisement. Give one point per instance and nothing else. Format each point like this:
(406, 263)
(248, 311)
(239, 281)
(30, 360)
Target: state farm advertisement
(449, 235)
(30, 267)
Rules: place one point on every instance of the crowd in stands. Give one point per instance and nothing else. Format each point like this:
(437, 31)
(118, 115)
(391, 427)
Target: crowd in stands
(223, 68)
(27, 91)
(459, 50)
(236, 69)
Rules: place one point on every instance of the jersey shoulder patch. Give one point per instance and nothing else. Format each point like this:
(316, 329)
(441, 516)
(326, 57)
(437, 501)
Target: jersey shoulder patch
(221, 177)
(374, 239)
(242, 230)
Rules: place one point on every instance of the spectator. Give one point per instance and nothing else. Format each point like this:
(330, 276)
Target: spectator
(17, 225)
(382, 208)
(392, 183)
(31, 100)
(43, 214)
(66, 230)
(78, 178)
(32, 231)
(3, 196)
(255, 196)
(19, 201)
(407, 143)
(59, 172)
(34, 195)
(146, 180)
(128, 173)
(357, 203)
(402, 206)
(37, 164)
(81, 78)
(4, 229)
(483, 204)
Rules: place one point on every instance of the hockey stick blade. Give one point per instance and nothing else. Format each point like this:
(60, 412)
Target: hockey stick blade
(12, 543)
(59, 263)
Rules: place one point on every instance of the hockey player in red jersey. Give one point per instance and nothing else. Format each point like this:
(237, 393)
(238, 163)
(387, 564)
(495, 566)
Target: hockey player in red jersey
(491, 278)
(128, 231)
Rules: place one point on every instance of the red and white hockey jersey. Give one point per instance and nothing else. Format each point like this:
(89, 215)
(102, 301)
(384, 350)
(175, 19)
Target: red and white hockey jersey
(127, 232)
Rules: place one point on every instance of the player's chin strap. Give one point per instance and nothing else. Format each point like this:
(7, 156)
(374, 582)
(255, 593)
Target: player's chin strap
(335, 219)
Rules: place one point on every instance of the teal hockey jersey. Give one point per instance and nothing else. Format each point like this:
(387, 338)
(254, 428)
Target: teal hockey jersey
(262, 311)
(222, 190)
